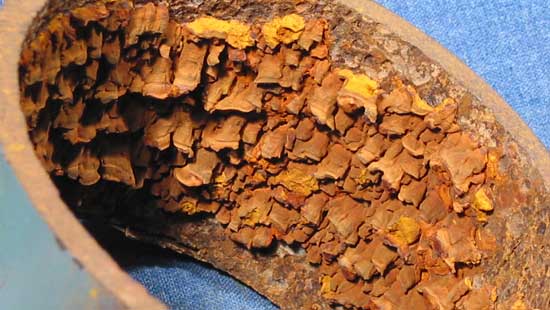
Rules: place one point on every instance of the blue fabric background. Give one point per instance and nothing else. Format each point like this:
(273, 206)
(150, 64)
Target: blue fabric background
(184, 284)
(507, 42)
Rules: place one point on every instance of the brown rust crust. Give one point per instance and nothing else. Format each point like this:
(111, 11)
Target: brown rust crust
(277, 273)
(429, 90)
(365, 234)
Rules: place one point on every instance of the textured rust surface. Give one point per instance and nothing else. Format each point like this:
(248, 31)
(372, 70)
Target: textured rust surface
(127, 101)
(518, 184)
(277, 273)
(16, 18)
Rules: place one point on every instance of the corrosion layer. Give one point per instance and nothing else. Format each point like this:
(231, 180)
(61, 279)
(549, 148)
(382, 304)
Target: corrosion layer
(383, 198)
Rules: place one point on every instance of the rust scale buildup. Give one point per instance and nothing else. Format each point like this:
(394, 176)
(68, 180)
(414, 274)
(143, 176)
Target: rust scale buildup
(253, 126)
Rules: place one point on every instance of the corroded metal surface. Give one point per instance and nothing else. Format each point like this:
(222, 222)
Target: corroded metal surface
(278, 273)
(15, 19)
(379, 44)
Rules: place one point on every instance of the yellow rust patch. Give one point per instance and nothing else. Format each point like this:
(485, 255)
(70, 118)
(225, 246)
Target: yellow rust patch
(359, 84)
(252, 218)
(406, 230)
(286, 29)
(443, 105)
(492, 171)
(519, 305)
(469, 283)
(419, 106)
(482, 201)
(326, 284)
(221, 180)
(188, 207)
(236, 34)
(364, 177)
(481, 216)
(297, 181)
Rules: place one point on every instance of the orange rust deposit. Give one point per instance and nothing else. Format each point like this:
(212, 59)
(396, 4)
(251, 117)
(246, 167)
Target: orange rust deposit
(255, 127)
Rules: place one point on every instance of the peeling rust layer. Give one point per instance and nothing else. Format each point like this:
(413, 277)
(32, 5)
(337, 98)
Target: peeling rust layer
(354, 214)
(397, 106)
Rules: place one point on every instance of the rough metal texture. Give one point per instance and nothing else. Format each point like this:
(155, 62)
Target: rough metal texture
(15, 19)
(279, 274)
(522, 210)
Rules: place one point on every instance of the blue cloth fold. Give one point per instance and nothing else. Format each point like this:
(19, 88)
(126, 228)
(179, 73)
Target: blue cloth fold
(185, 284)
